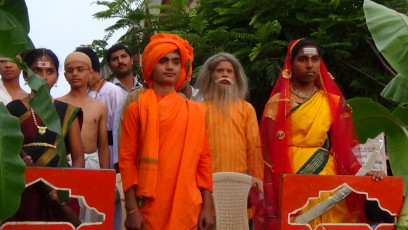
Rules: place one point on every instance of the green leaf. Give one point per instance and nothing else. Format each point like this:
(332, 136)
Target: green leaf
(14, 28)
(12, 168)
(370, 119)
(396, 89)
(389, 30)
(255, 52)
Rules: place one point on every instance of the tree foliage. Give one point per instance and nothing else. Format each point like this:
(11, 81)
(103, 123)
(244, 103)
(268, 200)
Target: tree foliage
(257, 32)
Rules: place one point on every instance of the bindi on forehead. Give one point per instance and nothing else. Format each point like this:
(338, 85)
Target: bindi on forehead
(44, 64)
(310, 51)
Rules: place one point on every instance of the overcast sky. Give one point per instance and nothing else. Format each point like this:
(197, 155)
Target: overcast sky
(63, 25)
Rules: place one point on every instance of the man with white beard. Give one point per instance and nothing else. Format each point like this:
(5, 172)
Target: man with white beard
(231, 122)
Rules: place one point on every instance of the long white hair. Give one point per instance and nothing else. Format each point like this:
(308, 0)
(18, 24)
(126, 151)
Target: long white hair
(221, 95)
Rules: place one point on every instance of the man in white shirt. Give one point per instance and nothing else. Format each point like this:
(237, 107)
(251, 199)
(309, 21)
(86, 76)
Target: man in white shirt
(120, 63)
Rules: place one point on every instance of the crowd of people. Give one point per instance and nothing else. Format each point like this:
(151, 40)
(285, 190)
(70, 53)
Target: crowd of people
(166, 137)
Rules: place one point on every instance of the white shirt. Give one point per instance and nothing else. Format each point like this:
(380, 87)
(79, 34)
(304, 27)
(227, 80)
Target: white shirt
(113, 97)
(118, 83)
(4, 95)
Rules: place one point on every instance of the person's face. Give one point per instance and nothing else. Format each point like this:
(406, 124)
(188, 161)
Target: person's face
(9, 70)
(49, 73)
(167, 69)
(77, 74)
(224, 73)
(306, 65)
(120, 63)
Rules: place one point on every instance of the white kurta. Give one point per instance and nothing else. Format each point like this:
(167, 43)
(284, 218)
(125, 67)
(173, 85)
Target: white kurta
(113, 97)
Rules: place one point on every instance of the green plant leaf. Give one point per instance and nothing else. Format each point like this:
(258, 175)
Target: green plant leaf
(12, 167)
(389, 30)
(396, 89)
(14, 28)
(370, 119)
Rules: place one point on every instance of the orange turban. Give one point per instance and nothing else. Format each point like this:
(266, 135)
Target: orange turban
(159, 46)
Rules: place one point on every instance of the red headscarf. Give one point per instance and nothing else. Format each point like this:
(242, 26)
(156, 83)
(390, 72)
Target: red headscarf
(342, 134)
(159, 46)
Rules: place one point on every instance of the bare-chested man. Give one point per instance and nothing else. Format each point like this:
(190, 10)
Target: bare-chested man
(10, 88)
(94, 130)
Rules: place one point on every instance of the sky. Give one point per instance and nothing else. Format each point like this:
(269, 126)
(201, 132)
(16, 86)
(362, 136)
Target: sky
(63, 25)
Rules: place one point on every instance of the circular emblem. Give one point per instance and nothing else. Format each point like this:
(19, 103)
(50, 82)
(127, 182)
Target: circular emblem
(286, 73)
(280, 134)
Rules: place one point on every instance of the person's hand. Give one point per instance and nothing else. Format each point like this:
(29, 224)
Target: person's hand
(206, 219)
(28, 160)
(376, 175)
(52, 197)
(134, 220)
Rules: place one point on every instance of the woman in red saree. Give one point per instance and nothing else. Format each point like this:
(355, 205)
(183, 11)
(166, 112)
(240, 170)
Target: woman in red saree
(307, 128)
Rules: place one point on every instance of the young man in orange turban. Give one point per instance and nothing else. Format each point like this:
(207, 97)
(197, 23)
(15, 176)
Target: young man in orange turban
(164, 154)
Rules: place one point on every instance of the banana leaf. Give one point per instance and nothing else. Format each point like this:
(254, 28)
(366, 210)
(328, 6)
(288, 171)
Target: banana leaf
(396, 89)
(370, 119)
(12, 167)
(389, 30)
(14, 28)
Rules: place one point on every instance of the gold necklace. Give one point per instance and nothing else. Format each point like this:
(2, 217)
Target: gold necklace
(41, 129)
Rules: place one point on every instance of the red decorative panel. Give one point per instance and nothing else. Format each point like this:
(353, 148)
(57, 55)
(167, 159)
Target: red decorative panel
(96, 186)
(297, 189)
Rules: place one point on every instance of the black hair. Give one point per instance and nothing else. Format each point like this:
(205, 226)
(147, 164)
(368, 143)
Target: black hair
(33, 55)
(302, 43)
(96, 66)
(115, 48)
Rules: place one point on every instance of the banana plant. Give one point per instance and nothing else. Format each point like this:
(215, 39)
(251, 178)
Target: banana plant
(14, 29)
(389, 30)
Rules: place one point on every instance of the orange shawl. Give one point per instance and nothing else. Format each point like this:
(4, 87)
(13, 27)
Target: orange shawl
(139, 149)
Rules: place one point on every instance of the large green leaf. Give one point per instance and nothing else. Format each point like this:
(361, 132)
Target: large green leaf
(396, 89)
(370, 119)
(389, 30)
(12, 168)
(14, 28)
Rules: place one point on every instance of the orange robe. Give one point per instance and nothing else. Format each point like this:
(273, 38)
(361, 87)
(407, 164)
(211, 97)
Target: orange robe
(182, 167)
(234, 139)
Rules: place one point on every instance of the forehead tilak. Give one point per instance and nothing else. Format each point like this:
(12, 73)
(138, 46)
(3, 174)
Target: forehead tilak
(310, 51)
